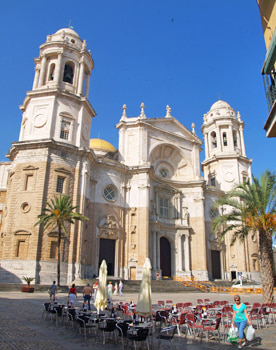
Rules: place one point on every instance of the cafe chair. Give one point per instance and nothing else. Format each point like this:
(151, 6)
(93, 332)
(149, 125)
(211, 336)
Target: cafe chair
(138, 335)
(211, 329)
(193, 325)
(84, 324)
(122, 328)
(255, 316)
(70, 316)
(167, 333)
(107, 326)
(46, 309)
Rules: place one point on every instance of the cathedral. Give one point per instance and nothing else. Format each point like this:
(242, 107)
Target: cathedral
(151, 197)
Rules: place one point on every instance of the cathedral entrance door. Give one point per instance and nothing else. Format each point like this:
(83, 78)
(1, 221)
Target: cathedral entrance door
(165, 257)
(216, 267)
(107, 252)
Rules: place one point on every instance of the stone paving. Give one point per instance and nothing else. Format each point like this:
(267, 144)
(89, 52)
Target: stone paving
(22, 327)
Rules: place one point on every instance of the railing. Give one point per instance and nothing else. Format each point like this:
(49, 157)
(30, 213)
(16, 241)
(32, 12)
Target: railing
(213, 288)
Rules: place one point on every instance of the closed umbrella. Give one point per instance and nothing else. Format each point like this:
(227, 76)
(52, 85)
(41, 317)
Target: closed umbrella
(101, 302)
(144, 306)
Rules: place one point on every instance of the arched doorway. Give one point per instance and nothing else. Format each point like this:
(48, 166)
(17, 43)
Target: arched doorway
(107, 252)
(165, 257)
(216, 264)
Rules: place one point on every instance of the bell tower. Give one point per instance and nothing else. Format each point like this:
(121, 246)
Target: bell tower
(51, 158)
(225, 163)
(57, 107)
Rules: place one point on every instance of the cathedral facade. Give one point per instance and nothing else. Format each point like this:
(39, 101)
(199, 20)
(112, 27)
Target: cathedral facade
(145, 199)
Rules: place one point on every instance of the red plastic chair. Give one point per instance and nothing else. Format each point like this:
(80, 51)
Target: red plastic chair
(199, 301)
(208, 329)
(161, 302)
(256, 305)
(193, 326)
(188, 304)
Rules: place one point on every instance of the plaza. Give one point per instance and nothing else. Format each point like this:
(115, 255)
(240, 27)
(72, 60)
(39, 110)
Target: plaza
(22, 325)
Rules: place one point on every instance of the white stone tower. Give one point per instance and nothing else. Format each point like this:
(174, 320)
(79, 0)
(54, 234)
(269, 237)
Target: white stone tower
(225, 163)
(57, 107)
(52, 157)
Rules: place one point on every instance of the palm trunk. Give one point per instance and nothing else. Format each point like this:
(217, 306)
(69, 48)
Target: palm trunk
(266, 259)
(58, 260)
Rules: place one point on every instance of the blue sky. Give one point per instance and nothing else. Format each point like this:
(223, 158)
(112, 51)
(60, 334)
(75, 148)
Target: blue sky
(183, 53)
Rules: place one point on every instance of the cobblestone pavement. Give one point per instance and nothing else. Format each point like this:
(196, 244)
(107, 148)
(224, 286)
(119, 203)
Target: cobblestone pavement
(23, 328)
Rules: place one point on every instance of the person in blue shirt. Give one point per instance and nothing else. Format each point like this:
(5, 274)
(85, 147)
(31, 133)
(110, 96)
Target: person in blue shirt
(240, 319)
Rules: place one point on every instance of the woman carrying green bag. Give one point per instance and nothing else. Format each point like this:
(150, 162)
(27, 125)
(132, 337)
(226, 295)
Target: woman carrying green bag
(240, 319)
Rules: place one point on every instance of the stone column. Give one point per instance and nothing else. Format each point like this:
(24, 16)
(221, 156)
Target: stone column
(242, 141)
(36, 78)
(207, 151)
(81, 78)
(42, 71)
(187, 253)
(58, 68)
(157, 251)
(179, 252)
(219, 145)
(88, 76)
(154, 250)
(231, 140)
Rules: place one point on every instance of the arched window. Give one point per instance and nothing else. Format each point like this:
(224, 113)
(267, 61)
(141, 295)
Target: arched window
(224, 137)
(51, 72)
(235, 139)
(68, 73)
(214, 139)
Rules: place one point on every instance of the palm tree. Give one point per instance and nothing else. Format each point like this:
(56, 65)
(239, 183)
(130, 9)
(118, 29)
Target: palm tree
(251, 207)
(57, 213)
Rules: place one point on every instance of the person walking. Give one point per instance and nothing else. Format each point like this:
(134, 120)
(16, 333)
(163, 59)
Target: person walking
(240, 319)
(52, 291)
(121, 285)
(115, 289)
(87, 294)
(95, 288)
(109, 290)
(72, 294)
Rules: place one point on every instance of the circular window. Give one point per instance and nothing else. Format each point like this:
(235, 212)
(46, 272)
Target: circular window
(214, 213)
(110, 193)
(164, 173)
(25, 207)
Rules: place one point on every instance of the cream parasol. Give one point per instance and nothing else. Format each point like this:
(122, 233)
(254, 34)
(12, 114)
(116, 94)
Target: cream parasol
(144, 306)
(101, 302)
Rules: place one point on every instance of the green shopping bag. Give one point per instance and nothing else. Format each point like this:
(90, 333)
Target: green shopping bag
(233, 335)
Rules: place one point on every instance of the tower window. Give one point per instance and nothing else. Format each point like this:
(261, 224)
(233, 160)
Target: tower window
(224, 137)
(65, 128)
(68, 73)
(164, 207)
(20, 249)
(29, 183)
(213, 181)
(214, 139)
(60, 183)
(235, 140)
(54, 250)
(52, 72)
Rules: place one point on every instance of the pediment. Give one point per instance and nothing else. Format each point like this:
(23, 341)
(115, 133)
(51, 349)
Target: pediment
(62, 170)
(30, 168)
(173, 126)
(166, 188)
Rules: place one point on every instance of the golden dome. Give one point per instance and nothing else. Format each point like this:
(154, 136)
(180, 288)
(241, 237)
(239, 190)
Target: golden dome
(101, 145)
